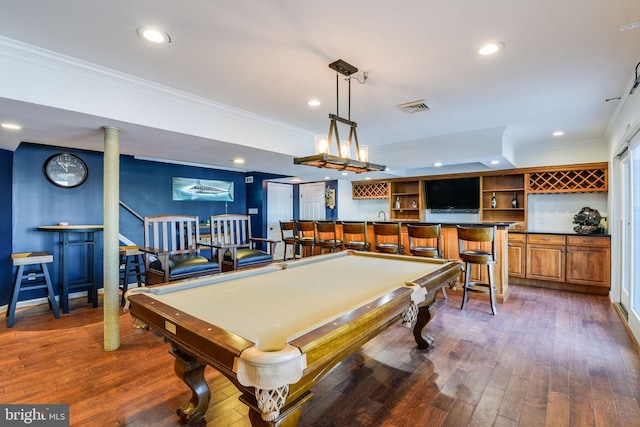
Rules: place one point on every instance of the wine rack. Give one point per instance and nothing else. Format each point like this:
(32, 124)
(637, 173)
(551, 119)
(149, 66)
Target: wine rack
(569, 181)
(374, 190)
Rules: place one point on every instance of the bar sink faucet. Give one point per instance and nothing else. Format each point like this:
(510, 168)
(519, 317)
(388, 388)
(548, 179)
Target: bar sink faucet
(384, 216)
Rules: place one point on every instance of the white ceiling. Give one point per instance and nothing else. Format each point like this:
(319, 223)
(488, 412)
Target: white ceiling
(261, 61)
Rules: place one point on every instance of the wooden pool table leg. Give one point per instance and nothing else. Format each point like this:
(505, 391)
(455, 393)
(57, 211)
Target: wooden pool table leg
(425, 313)
(191, 371)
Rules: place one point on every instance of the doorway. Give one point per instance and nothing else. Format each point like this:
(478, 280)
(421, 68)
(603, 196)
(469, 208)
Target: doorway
(279, 208)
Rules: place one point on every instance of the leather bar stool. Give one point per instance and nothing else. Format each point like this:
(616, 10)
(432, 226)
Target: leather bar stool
(35, 277)
(288, 236)
(354, 236)
(131, 263)
(424, 241)
(327, 236)
(477, 245)
(387, 237)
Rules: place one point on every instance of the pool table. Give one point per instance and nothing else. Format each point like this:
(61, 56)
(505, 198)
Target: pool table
(275, 331)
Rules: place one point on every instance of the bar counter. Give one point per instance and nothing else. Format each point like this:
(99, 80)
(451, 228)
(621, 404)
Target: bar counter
(449, 250)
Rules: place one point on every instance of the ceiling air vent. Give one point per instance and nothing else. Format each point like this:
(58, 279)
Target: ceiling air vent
(414, 107)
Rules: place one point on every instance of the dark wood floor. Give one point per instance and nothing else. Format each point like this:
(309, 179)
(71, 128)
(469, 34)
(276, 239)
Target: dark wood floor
(549, 358)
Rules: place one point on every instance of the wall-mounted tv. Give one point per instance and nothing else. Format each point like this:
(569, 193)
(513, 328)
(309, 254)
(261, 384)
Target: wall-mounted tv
(453, 195)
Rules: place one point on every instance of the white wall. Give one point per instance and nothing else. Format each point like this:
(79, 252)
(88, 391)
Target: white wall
(554, 212)
(359, 210)
(561, 152)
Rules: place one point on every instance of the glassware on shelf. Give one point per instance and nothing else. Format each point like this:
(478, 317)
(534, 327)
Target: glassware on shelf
(494, 203)
(397, 202)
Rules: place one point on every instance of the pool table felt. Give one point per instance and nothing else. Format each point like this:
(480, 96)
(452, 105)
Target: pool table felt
(274, 307)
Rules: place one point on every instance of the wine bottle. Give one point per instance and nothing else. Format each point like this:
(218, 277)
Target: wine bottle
(397, 202)
(493, 201)
(514, 201)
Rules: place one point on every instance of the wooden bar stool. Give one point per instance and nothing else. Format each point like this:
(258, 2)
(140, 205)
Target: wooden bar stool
(306, 236)
(327, 236)
(472, 246)
(424, 241)
(37, 277)
(288, 236)
(354, 236)
(387, 237)
(131, 263)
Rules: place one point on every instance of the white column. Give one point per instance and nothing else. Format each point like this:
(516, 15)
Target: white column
(111, 267)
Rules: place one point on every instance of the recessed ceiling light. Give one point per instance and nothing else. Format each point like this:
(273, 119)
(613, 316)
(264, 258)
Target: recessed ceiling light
(296, 180)
(154, 35)
(367, 177)
(491, 48)
(238, 161)
(326, 177)
(11, 126)
(495, 162)
(314, 103)
(558, 133)
(437, 164)
(345, 173)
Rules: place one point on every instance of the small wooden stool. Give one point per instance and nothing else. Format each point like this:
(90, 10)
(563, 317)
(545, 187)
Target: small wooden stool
(37, 278)
(130, 264)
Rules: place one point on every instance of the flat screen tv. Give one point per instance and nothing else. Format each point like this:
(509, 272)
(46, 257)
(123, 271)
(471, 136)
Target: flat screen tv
(453, 195)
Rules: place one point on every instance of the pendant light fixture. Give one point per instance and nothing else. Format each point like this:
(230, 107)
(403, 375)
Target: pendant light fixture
(342, 159)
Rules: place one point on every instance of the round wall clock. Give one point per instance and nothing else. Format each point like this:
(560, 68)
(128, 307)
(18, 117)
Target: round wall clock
(65, 170)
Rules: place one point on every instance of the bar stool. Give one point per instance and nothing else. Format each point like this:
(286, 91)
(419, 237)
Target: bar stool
(470, 242)
(131, 263)
(327, 236)
(354, 236)
(36, 278)
(306, 236)
(424, 241)
(387, 237)
(288, 236)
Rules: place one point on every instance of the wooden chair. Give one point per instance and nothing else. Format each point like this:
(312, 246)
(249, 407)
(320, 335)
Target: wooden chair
(288, 235)
(354, 236)
(306, 236)
(327, 236)
(472, 243)
(172, 250)
(387, 238)
(231, 237)
(424, 241)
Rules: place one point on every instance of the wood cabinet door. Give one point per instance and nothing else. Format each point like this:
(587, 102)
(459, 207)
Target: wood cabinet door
(588, 265)
(545, 262)
(516, 257)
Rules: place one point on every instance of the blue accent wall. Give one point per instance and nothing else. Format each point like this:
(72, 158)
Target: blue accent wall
(145, 186)
(6, 224)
